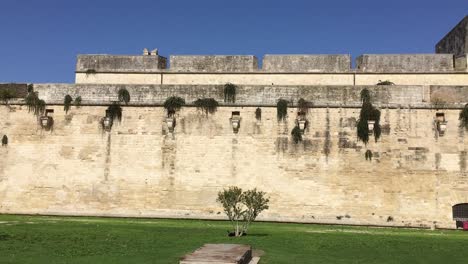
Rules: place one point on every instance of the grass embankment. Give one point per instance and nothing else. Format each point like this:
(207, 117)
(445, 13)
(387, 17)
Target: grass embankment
(35, 239)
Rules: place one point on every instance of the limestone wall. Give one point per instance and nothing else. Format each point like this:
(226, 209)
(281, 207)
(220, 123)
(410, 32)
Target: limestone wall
(139, 169)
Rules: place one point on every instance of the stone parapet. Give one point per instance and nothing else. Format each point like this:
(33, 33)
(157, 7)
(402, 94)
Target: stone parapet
(395, 63)
(92, 64)
(307, 63)
(213, 63)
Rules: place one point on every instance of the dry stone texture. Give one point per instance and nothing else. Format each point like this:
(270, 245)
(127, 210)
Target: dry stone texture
(139, 169)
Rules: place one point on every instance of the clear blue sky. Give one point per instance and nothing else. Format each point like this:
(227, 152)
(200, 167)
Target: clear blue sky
(41, 38)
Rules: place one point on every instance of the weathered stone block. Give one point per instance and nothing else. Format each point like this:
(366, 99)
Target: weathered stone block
(461, 63)
(119, 63)
(388, 63)
(307, 63)
(214, 63)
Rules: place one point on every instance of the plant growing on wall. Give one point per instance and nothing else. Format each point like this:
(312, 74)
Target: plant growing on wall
(40, 107)
(30, 88)
(365, 95)
(296, 134)
(6, 95)
(207, 105)
(67, 103)
(258, 114)
(4, 140)
(173, 104)
(78, 102)
(304, 105)
(31, 101)
(229, 93)
(124, 95)
(242, 208)
(464, 117)
(368, 113)
(90, 71)
(114, 111)
(386, 82)
(281, 109)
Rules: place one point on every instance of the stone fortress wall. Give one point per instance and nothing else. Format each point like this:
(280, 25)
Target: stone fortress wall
(140, 169)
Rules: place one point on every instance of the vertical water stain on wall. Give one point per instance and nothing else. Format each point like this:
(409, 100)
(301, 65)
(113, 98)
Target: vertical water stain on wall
(463, 158)
(327, 144)
(107, 162)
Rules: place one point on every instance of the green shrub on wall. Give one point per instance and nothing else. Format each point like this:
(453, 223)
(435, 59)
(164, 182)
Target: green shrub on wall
(304, 105)
(6, 95)
(90, 71)
(124, 95)
(114, 111)
(387, 82)
(229, 93)
(368, 113)
(78, 102)
(464, 117)
(296, 134)
(281, 109)
(207, 105)
(173, 104)
(67, 103)
(31, 100)
(258, 114)
(40, 108)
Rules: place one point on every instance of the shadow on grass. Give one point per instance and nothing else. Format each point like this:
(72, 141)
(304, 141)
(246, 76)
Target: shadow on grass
(4, 237)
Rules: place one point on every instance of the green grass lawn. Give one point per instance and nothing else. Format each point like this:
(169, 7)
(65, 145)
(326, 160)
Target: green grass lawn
(36, 239)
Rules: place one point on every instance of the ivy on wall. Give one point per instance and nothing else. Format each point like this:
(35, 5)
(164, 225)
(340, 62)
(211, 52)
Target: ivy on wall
(387, 82)
(282, 109)
(258, 114)
(67, 103)
(124, 95)
(207, 105)
(296, 134)
(368, 113)
(114, 111)
(304, 105)
(78, 102)
(173, 104)
(464, 117)
(229, 93)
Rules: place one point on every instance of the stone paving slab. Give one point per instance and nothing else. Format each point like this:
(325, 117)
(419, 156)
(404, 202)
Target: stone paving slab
(220, 254)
